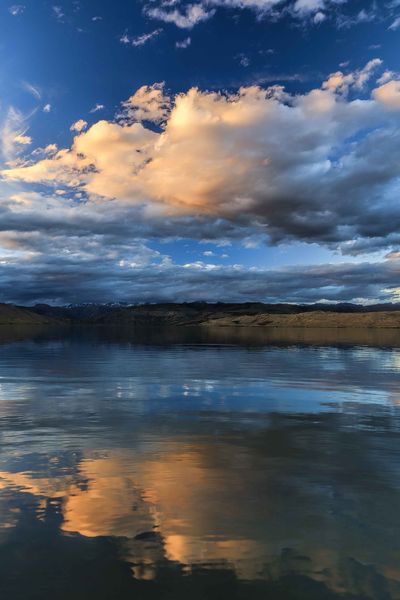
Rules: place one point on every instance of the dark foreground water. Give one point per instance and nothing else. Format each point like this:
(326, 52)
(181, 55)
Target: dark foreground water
(186, 465)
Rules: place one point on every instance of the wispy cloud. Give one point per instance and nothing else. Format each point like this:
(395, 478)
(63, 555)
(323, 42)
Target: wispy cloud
(16, 9)
(140, 40)
(185, 43)
(13, 133)
(395, 24)
(58, 12)
(32, 89)
(96, 108)
(186, 16)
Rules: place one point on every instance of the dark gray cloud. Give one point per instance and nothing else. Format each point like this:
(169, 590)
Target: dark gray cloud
(99, 274)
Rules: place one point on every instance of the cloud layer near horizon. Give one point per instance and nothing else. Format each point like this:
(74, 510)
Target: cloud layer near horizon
(91, 273)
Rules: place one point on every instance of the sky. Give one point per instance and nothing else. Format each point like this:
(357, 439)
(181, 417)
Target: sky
(218, 150)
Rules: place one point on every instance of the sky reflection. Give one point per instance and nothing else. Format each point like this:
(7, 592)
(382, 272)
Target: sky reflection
(261, 463)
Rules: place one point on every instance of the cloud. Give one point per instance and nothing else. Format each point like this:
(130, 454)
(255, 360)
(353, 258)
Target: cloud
(96, 108)
(98, 269)
(79, 125)
(186, 18)
(316, 167)
(59, 249)
(32, 89)
(308, 6)
(187, 15)
(395, 25)
(23, 140)
(141, 40)
(58, 12)
(319, 17)
(185, 43)
(365, 15)
(244, 60)
(47, 108)
(148, 103)
(16, 9)
(125, 39)
(389, 94)
(358, 79)
(13, 133)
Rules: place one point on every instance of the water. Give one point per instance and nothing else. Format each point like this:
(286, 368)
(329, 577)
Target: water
(203, 465)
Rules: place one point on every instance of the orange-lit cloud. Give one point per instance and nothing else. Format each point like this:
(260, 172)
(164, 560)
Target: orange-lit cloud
(256, 152)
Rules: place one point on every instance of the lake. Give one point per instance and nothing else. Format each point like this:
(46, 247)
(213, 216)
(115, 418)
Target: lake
(233, 464)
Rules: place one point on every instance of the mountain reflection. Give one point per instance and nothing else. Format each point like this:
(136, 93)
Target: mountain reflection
(218, 474)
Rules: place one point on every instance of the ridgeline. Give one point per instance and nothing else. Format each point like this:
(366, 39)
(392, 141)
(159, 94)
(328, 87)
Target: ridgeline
(381, 316)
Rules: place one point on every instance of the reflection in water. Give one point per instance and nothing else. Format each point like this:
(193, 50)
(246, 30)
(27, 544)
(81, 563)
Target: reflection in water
(212, 471)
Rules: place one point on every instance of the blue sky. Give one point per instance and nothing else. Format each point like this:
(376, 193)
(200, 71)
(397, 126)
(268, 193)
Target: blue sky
(216, 149)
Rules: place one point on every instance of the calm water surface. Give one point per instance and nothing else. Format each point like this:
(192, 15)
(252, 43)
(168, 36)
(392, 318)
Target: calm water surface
(197, 465)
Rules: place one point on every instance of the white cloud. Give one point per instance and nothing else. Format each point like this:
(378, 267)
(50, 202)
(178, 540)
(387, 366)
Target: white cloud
(387, 76)
(23, 140)
(141, 40)
(185, 43)
(148, 103)
(13, 130)
(79, 125)
(395, 25)
(58, 12)
(47, 108)
(51, 149)
(16, 9)
(340, 82)
(244, 60)
(309, 6)
(33, 90)
(389, 94)
(96, 108)
(187, 18)
(319, 17)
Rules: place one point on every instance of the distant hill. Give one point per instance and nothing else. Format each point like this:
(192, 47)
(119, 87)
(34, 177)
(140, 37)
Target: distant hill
(252, 314)
(16, 315)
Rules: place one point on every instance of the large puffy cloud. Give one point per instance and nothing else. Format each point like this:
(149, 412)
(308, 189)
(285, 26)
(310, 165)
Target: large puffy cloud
(257, 164)
(319, 167)
(389, 94)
